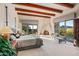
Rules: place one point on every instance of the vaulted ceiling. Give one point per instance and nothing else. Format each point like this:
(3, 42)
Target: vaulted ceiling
(45, 10)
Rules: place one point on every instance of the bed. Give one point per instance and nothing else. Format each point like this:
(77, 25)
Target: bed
(28, 42)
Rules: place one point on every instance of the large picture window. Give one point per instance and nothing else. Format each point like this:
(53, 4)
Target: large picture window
(30, 28)
(65, 28)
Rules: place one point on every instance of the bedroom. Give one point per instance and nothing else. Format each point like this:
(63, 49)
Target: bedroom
(36, 22)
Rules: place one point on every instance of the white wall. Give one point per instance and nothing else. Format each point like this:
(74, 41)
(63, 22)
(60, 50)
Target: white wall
(64, 17)
(11, 16)
(2, 15)
(67, 16)
(43, 23)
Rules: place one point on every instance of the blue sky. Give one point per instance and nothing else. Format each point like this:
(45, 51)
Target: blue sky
(68, 23)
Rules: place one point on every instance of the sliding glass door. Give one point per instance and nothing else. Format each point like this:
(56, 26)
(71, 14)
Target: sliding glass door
(69, 30)
(65, 28)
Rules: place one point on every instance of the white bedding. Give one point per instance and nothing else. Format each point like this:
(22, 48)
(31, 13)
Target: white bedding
(26, 40)
(27, 37)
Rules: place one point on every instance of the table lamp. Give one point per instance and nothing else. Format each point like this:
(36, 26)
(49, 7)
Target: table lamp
(6, 31)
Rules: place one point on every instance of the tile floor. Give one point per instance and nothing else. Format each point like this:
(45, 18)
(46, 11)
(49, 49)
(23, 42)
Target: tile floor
(52, 48)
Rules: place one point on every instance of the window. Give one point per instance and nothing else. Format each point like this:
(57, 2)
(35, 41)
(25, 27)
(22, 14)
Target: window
(32, 29)
(62, 28)
(69, 30)
(65, 28)
(62, 24)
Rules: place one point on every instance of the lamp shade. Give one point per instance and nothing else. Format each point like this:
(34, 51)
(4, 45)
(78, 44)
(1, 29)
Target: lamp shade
(5, 30)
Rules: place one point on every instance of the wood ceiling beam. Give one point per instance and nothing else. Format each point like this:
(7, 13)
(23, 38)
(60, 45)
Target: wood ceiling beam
(27, 10)
(32, 15)
(40, 7)
(69, 5)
